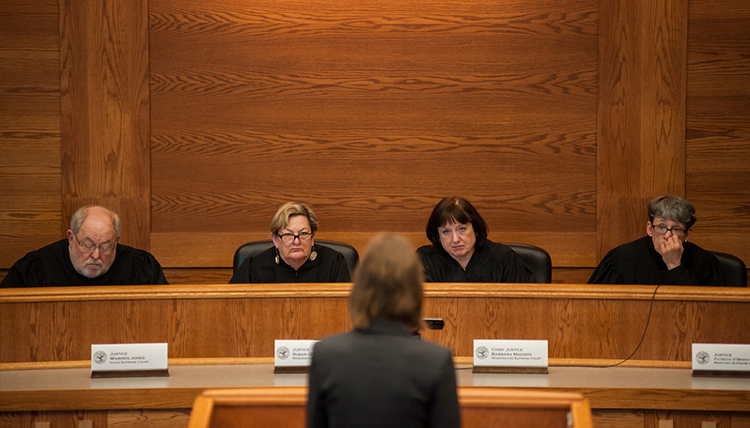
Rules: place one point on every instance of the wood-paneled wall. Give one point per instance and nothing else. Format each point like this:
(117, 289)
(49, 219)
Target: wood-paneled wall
(30, 169)
(196, 119)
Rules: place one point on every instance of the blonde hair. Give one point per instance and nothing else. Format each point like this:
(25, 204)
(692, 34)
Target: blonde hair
(388, 284)
(280, 220)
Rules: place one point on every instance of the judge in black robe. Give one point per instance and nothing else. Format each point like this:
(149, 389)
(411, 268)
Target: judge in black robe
(638, 262)
(461, 252)
(664, 257)
(491, 262)
(329, 266)
(294, 257)
(51, 266)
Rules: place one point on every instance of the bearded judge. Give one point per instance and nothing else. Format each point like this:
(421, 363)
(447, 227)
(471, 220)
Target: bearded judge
(90, 255)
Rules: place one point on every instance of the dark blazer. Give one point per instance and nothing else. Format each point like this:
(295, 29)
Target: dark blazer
(382, 376)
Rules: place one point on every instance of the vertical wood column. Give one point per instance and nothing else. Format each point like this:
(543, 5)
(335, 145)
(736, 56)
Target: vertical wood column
(641, 113)
(105, 111)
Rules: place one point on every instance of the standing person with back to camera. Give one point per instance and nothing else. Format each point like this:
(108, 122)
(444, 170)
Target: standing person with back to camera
(381, 374)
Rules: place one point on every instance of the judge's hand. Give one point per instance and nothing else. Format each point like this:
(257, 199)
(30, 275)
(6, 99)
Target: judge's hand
(671, 252)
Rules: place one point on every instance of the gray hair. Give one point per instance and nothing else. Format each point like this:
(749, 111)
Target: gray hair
(672, 207)
(80, 216)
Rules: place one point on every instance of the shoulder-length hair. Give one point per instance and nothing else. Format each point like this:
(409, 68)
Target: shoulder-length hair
(454, 209)
(388, 284)
(280, 220)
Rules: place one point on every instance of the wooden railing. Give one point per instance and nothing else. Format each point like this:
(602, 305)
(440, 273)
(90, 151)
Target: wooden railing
(584, 324)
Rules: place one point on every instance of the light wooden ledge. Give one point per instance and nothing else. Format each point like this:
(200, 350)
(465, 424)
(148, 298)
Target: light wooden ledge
(342, 290)
(553, 362)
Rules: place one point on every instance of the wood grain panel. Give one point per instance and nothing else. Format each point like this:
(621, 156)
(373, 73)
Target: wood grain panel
(184, 276)
(641, 123)
(617, 419)
(248, 327)
(217, 249)
(56, 329)
(371, 113)
(718, 123)
(105, 109)
(30, 173)
(653, 419)
(151, 418)
(231, 321)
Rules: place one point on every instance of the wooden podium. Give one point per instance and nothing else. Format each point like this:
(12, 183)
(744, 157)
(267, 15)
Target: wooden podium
(284, 407)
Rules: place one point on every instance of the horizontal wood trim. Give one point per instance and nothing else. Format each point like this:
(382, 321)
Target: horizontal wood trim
(334, 290)
(189, 276)
(612, 397)
(560, 362)
(201, 250)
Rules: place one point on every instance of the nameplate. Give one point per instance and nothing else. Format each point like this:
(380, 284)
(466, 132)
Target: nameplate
(721, 360)
(129, 360)
(510, 356)
(292, 356)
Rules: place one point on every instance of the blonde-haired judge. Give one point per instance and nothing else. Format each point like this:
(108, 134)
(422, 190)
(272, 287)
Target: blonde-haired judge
(294, 256)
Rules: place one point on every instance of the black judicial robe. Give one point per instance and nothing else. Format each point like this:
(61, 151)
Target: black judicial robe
(639, 263)
(491, 262)
(329, 266)
(51, 266)
(382, 376)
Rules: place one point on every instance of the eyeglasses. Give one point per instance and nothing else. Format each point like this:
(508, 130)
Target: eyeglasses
(661, 230)
(89, 247)
(288, 238)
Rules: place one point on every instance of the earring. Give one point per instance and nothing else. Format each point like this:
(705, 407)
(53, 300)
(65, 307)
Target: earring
(276, 259)
(313, 254)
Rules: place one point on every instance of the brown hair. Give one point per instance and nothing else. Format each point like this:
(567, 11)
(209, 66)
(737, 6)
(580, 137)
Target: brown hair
(388, 283)
(454, 209)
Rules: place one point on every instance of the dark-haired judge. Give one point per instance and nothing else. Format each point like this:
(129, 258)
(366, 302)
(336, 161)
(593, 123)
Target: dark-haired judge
(89, 256)
(664, 256)
(380, 375)
(461, 252)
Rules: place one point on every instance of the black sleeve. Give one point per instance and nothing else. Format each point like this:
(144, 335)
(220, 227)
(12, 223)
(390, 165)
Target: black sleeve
(341, 273)
(515, 269)
(154, 270)
(705, 269)
(429, 271)
(444, 410)
(26, 272)
(606, 272)
(242, 274)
